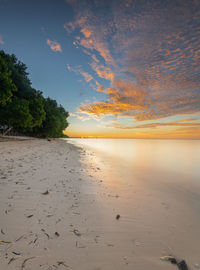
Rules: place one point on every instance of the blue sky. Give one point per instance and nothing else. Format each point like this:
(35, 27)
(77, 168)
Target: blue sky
(121, 68)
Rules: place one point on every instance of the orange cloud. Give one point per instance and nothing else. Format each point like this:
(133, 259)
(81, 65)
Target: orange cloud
(54, 45)
(100, 88)
(103, 71)
(109, 131)
(155, 51)
(86, 32)
(124, 97)
(128, 98)
(86, 76)
(174, 126)
(92, 38)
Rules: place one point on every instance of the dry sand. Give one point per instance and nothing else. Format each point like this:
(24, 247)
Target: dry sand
(58, 212)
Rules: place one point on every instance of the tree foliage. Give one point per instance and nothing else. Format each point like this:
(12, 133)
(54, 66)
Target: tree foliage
(55, 120)
(7, 87)
(24, 108)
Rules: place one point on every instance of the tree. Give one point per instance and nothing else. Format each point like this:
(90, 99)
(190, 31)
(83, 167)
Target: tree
(16, 114)
(55, 122)
(22, 107)
(37, 111)
(18, 73)
(7, 87)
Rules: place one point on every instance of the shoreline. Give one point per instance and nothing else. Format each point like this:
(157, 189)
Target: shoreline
(58, 210)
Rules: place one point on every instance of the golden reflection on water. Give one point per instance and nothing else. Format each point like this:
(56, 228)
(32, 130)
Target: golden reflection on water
(180, 158)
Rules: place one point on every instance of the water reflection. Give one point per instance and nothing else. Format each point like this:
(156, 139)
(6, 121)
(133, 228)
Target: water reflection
(167, 156)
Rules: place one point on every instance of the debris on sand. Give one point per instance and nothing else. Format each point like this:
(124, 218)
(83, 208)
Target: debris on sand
(29, 216)
(23, 264)
(5, 242)
(62, 263)
(181, 264)
(117, 216)
(57, 234)
(16, 253)
(45, 193)
(169, 258)
(47, 235)
(19, 238)
(11, 260)
(76, 232)
(35, 240)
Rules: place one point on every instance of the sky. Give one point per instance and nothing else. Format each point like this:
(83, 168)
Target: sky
(122, 68)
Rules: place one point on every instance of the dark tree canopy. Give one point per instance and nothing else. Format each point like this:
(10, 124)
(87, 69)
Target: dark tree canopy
(7, 87)
(24, 108)
(55, 120)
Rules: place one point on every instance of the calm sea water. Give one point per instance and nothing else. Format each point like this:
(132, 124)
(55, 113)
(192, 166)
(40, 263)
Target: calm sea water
(155, 187)
(177, 158)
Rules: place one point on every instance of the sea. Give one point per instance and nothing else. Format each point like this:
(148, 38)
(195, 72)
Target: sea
(169, 160)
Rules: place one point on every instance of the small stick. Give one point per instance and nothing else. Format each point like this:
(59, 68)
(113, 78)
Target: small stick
(5, 242)
(47, 235)
(23, 264)
(19, 238)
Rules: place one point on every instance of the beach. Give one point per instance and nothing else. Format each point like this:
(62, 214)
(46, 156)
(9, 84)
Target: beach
(59, 203)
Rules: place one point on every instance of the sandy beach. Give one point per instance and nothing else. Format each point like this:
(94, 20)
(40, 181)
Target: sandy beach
(58, 209)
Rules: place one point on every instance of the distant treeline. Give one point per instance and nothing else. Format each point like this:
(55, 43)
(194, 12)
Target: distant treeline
(23, 108)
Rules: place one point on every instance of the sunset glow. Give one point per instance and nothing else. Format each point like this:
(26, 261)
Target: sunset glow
(123, 69)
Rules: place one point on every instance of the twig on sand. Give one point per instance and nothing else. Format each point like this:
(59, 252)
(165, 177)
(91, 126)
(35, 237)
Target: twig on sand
(11, 260)
(16, 253)
(47, 235)
(23, 264)
(19, 238)
(5, 242)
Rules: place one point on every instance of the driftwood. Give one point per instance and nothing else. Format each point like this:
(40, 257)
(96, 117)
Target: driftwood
(6, 131)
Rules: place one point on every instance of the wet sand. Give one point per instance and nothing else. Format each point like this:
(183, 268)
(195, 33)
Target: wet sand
(58, 211)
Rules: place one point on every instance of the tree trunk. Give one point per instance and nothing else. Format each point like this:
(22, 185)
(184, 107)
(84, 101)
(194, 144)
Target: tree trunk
(7, 130)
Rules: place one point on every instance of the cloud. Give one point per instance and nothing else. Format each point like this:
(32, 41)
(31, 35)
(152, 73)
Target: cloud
(78, 70)
(103, 71)
(174, 124)
(91, 36)
(86, 76)
(100, 88)
(148, 50)
(123, 98)
(54, 45)
(68, 67)
(128, 98)
(1, 40)
(169, 124)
